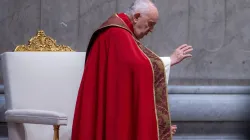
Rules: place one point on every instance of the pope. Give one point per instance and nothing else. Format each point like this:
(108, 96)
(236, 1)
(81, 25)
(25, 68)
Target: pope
(123, 93)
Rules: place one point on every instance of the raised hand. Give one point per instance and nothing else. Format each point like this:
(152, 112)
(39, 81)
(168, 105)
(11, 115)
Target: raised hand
(181, 53)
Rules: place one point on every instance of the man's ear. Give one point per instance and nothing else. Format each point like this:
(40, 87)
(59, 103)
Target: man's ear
(136, 17)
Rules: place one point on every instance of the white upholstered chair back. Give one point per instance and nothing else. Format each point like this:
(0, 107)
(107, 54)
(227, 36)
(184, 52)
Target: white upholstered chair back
(41, 81)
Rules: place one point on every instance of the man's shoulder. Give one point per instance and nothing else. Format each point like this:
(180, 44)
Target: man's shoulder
(117, 31)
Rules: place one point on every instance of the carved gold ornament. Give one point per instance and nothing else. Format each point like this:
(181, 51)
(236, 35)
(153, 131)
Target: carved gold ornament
(43, 43)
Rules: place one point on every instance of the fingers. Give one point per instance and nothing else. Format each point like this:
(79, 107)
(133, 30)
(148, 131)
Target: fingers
(187, 48)
(173, 126)
(182, 46)
(188, 51)
(187, 55)
(173, 129)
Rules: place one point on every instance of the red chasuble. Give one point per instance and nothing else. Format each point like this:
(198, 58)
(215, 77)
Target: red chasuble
(123, 93)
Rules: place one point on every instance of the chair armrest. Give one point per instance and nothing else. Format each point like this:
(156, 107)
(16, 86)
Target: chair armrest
(35, 117)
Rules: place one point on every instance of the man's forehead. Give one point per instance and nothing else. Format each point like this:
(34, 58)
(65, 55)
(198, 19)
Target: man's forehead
(153, 18)
(153, 15)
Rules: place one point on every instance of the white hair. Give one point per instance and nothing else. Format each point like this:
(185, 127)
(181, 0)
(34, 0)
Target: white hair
(140, 6)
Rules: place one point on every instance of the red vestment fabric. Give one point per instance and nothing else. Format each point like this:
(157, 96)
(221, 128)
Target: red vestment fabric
(116, 94)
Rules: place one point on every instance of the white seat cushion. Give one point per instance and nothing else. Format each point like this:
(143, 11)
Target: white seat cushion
(35, 117)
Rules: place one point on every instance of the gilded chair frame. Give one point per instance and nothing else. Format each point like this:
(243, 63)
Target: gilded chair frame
(43, 43)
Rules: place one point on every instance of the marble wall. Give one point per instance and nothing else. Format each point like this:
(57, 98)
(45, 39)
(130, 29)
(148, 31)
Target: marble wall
(219, 31)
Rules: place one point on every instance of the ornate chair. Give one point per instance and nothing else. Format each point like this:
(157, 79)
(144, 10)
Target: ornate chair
(44, 43)
(41, 81)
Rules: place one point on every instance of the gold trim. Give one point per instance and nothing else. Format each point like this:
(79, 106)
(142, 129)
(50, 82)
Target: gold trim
(157, 124)
(42, 43)
(112, 25)
(166, 93)
(125, 24)
(129, 30)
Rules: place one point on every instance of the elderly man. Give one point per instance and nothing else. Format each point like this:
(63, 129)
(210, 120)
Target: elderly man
(123, 93)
